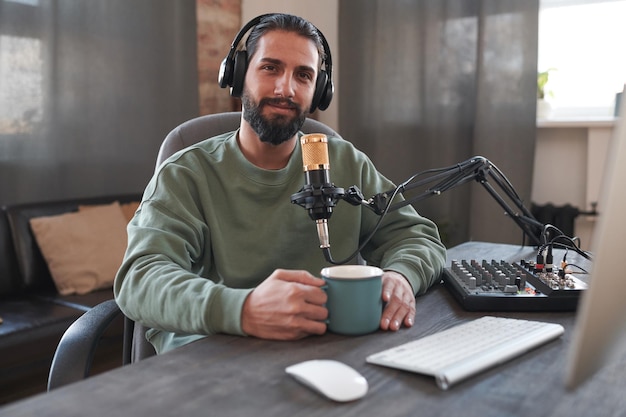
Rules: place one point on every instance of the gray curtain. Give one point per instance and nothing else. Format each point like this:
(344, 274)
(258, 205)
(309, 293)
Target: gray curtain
(88, 90)
(429, 83)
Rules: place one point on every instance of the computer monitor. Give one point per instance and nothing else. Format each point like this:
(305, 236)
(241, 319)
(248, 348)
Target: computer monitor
(601, 319)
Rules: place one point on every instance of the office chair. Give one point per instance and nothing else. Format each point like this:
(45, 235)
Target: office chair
(74, 354)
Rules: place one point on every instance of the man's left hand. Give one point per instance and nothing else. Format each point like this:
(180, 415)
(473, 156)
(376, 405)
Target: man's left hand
(400, 308)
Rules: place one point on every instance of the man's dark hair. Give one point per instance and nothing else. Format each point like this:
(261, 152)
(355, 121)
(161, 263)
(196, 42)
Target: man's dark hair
(286, 22)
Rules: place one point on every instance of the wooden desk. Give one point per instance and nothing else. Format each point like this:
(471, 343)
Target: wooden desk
(236, 376)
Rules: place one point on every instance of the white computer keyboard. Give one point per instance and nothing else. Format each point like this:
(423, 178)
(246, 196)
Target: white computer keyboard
(462, 351)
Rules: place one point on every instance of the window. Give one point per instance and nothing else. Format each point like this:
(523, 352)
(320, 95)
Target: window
(583, 44)
(21, 67)
(21, 95)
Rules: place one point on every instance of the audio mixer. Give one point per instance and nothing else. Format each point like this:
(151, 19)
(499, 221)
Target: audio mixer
(503, 286)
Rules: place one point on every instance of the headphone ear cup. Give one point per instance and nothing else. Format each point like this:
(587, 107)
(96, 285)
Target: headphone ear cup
(239, 73)
(226, 72)
(329, 90)
(323, 92)
(320, 88)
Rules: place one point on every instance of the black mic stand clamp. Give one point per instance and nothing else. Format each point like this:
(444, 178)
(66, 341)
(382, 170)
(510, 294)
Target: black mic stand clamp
(376, 203)
(319, 202)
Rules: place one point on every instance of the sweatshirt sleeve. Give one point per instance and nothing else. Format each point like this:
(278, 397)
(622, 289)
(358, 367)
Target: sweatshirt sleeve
(159, 283)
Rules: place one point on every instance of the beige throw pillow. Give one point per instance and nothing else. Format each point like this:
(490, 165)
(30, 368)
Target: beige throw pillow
(128, 209)
(83, 249)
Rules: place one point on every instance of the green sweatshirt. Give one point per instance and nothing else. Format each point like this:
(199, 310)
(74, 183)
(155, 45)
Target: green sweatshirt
(212, 226)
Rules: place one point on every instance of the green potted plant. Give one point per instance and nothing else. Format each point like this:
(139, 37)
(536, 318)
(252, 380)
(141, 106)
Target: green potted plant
(543, 107)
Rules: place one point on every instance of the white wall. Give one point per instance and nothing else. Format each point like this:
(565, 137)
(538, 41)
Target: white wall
(324, 14)
(570, 158)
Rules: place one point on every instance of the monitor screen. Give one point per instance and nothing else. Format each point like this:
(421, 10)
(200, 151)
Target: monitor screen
(601, 319)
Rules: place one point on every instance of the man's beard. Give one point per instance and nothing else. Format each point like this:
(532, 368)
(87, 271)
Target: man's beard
(274, 130)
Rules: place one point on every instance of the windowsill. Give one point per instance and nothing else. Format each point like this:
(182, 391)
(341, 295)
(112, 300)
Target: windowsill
(586, 122)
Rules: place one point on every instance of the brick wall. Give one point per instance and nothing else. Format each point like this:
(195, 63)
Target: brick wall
(218, 23)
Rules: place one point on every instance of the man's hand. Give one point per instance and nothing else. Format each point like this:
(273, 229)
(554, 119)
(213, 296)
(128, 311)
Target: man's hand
(398, 295)
(288, 305)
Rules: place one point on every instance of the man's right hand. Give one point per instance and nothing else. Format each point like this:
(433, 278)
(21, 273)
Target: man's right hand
(288, 305)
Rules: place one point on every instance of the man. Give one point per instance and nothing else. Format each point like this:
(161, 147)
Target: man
(217, 247)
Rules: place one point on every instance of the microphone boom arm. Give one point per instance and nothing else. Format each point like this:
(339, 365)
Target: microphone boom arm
(477, 168)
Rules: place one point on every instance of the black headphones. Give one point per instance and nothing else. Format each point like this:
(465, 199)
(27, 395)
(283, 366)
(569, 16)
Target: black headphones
(233, 69)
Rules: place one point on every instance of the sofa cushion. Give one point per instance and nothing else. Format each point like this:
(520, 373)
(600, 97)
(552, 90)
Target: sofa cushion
(33, 269)
(83, 249)
(128, 209)
(22, 316)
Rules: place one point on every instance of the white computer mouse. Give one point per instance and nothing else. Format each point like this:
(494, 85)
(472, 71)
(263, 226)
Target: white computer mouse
(333, 379)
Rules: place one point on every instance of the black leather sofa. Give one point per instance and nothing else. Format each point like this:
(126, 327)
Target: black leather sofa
(33, 314)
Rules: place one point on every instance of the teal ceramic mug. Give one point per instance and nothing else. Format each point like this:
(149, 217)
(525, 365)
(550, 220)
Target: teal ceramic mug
(354, 298)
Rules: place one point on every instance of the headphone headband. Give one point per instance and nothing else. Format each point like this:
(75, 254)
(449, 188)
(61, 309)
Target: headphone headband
(233, 68)
(242, 32)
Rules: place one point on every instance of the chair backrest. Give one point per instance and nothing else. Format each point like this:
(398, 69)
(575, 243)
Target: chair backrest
(184, 135)
(205, 127)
